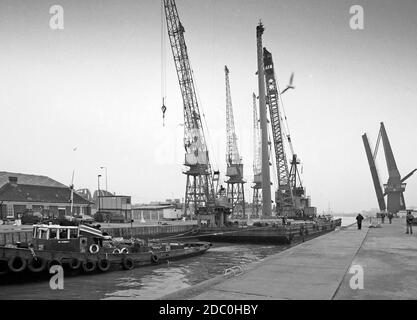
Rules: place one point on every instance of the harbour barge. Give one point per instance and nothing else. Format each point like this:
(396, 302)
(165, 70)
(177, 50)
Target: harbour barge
(271, 232)
(87, 249)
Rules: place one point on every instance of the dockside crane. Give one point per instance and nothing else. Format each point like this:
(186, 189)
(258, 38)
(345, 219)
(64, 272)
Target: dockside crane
(265, 144)
(395, 187)
(200, 193)
(374, 173)
(284, 195)
(257, 171)
(235, 184)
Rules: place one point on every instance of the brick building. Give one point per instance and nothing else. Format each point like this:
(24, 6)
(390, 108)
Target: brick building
(20, 192)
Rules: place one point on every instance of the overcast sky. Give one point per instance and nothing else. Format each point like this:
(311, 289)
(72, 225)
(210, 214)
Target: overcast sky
(96, 86)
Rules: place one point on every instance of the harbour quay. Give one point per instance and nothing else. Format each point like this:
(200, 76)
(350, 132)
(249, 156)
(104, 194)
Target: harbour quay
(349, 264)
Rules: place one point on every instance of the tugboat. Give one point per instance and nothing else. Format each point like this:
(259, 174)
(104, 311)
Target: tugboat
(88, 249)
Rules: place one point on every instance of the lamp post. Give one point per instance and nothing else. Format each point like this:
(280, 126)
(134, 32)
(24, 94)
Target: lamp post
(98, 191)
(107, 188)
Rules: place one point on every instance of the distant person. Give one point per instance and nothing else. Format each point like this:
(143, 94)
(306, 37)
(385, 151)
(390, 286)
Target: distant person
(409, 218)
(390, 216)
(359, 219)
(382, 217)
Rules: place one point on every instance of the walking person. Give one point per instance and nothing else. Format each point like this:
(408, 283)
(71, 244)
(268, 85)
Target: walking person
(390, 216)
(382, 217)
(359, 219)
(409, 221)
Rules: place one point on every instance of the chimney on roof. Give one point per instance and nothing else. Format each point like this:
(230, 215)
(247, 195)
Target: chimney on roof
(13, 180)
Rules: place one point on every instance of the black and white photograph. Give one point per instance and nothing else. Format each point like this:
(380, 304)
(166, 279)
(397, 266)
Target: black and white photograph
(208, 155)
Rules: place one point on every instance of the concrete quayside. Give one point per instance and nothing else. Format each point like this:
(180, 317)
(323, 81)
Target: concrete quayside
(371, 263)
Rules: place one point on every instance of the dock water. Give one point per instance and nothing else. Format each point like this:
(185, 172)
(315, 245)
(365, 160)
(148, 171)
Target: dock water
(321, 269)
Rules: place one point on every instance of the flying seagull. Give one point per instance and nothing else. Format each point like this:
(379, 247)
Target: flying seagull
(290, 86)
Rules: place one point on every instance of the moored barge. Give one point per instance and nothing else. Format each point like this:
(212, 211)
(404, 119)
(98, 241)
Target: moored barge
(276, 233)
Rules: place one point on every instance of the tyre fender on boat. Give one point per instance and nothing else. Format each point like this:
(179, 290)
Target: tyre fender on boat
(94, 248)
(37, 264)
(154, 258)
(124, 250)
(4, 266)
(104, 264)
(74, 264)
(17, 264)
(89, 265)
(116, 251)
(128, 263)
(53, 262)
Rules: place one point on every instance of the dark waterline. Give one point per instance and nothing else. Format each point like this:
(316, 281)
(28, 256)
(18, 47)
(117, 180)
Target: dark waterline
(149, 282)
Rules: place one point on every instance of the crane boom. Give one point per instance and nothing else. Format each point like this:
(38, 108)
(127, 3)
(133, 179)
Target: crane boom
(232, 152)
(284, 197)
(200, 191)
(235, 183)
(257, 164)
(394, 187)
(256, 141)
(374, 173)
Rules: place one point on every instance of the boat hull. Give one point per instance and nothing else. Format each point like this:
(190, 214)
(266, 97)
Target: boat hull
(269, 234)
(116, 261)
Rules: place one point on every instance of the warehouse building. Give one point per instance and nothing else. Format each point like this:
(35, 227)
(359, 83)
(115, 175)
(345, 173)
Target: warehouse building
(22, 192)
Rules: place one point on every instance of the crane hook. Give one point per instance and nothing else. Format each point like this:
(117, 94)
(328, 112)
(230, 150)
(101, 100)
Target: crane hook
(164, 109)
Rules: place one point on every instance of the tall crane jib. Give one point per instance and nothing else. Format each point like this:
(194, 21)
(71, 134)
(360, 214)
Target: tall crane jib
(374, 174)
(235, 183)
(284, 196)
(257, 171)
(200, 195)
(395, 187)
(199, 189)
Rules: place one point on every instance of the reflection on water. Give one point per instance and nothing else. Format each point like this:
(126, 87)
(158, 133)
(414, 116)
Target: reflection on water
(149, 282)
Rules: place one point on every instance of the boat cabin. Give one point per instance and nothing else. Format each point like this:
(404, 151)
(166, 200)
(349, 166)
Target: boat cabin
(66, 238)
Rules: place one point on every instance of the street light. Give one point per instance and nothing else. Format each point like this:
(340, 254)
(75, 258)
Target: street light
(98, 191)
(107, 189)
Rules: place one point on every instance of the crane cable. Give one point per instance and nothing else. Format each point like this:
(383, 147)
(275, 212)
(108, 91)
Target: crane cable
(208, 141)
(287, 129)
(163, 63)
(377, 145)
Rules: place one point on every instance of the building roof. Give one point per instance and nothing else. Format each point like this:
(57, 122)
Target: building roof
(38, 193)
(29, 179)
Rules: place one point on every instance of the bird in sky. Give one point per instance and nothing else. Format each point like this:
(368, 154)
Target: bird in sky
(290, 86)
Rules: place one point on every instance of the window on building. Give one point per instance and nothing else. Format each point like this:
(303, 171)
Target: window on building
(10, 211)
